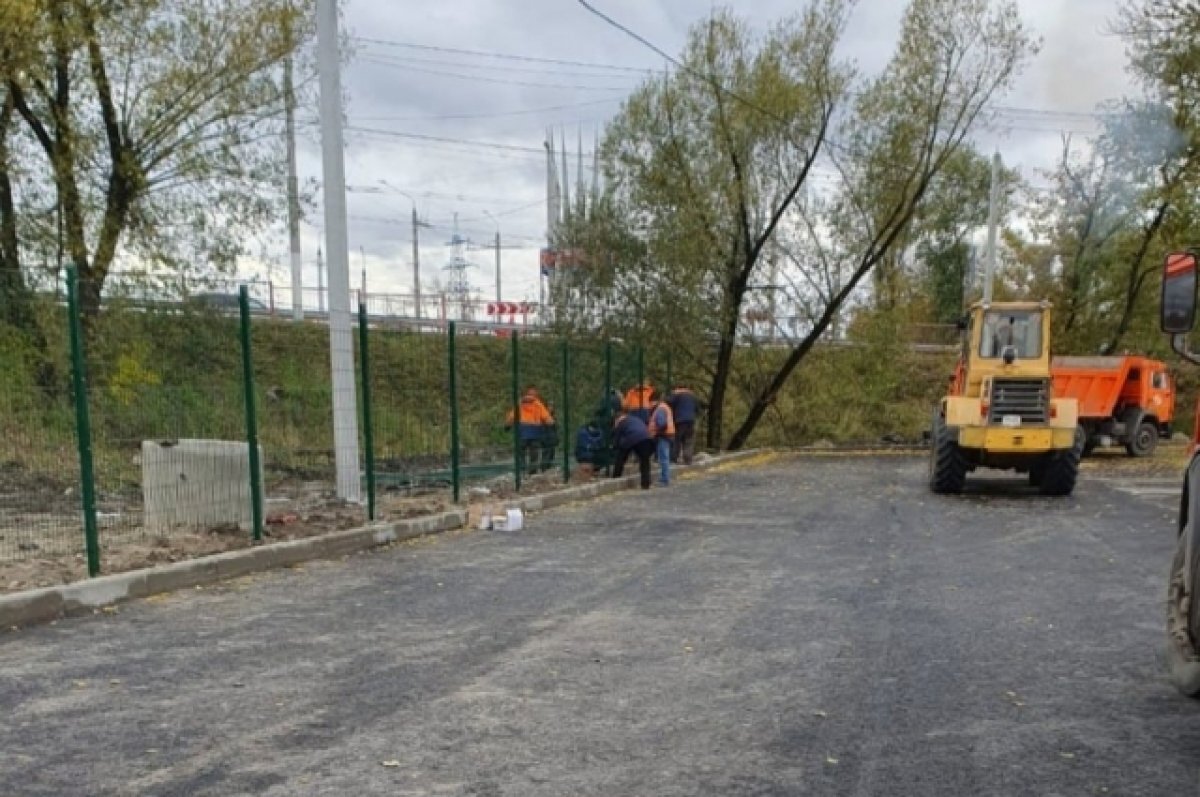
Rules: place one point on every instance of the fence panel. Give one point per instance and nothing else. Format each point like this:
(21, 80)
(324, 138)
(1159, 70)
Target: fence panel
(40, 509)
(163, 375)
(411, 419)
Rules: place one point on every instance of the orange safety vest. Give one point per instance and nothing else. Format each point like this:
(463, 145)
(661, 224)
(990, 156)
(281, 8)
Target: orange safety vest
(669, 429)
(638, 398)
(533, 413)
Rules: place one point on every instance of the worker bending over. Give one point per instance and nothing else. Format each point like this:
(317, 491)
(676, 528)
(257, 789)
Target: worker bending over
(686, 408)
(630, 436)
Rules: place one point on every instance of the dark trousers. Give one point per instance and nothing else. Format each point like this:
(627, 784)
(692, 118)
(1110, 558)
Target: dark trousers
(531, 452)
(643, 450)
(684, 443)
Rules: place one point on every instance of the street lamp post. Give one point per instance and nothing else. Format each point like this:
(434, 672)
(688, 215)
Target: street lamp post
(417, 224)
(493, 218)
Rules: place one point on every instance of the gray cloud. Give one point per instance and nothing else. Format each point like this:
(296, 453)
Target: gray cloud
(398, 90)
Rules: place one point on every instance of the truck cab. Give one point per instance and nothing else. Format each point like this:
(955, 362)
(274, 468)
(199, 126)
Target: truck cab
(1124, 400)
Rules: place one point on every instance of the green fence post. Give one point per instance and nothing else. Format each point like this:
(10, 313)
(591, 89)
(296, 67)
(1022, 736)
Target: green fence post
(516, 408)
(608, 385)
(607, 412)
(364, 353)
(83, 425)
(453, 356)
(565, 426)
(256, 487)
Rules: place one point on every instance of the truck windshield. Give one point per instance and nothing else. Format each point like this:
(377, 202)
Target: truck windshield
(1021, 329)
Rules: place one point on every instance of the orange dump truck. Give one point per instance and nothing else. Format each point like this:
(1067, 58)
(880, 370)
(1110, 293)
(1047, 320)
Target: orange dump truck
(1127, 401)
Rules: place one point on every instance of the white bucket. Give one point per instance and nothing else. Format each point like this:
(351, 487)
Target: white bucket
(511, 520)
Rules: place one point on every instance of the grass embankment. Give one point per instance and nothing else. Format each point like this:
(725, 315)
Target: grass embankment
(168, 376)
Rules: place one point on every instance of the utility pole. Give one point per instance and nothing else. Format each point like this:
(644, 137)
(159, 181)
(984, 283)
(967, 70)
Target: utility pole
(293, 188)
(969, 275)
(341, 346)
(320, 282)
(498, 266)
(416, 260)
(993, 223)
(497, 223)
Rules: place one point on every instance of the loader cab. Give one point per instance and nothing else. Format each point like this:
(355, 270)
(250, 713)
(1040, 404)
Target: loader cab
(1011, 335)
(1008, 339)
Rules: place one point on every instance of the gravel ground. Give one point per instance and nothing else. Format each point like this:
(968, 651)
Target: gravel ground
(806, 627)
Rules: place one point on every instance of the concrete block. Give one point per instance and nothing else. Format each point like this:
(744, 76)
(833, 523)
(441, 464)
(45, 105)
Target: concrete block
(198, 484)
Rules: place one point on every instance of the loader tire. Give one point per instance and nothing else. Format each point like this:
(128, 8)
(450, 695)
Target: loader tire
(1144, 440)
(947, 466)
(1062, 469)
(1183, 660)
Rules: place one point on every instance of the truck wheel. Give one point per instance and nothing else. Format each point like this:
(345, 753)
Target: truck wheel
(947, 466)
(1145, 440)
(1062, 469)
(1036, 474)
(1183, 660)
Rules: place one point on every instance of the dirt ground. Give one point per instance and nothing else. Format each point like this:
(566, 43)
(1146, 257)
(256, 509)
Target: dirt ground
(295, 510)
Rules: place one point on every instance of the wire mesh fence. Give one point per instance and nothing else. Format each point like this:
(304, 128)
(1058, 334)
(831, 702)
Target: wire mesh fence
(169, 412)
(409, 378)
(39, 464)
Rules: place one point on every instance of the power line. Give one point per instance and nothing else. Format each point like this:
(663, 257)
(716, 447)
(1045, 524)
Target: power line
(440, 195)
(504, 56)
(497, 114)
(458, 141)
(400, 60)
(481, 79)
(509, 212)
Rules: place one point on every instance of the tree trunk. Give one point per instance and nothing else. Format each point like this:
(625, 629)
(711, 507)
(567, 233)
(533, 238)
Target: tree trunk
(720, 384)
(1137, 278)
(13, 294)
(765, 399)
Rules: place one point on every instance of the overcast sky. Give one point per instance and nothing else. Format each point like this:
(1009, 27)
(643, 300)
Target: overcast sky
(397, 91)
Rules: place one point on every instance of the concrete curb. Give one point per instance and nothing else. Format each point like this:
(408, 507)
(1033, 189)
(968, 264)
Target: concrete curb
(50, 603)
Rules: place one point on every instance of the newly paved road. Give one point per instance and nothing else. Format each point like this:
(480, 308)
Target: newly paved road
(810, 627)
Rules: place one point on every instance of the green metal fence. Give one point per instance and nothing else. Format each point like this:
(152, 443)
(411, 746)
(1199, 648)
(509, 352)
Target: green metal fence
(105, 402)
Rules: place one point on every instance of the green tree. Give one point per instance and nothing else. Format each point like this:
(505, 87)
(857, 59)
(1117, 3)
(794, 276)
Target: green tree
(157, 123)
(753, 184)
(704, 164)
(905, 128)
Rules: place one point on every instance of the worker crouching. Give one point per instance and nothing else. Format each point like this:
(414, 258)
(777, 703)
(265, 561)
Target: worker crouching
(533, 425)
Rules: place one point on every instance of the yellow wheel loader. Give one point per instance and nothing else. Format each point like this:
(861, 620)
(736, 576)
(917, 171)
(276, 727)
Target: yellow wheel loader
(1000, 412)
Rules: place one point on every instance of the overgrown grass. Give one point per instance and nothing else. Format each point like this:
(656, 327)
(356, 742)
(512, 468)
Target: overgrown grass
(170, 376)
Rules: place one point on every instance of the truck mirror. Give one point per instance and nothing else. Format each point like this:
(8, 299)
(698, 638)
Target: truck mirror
(1178, 306)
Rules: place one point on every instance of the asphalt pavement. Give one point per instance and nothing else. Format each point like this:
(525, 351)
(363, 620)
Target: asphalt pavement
(818, 626)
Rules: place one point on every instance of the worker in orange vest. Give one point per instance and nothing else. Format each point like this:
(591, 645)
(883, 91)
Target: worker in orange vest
(638, 400)
(662, 432)
(532, 425)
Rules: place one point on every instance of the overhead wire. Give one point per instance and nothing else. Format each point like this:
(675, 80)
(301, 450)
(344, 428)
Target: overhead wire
(500, 81)
(403, 60)
(490, 115)
(502, 56)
